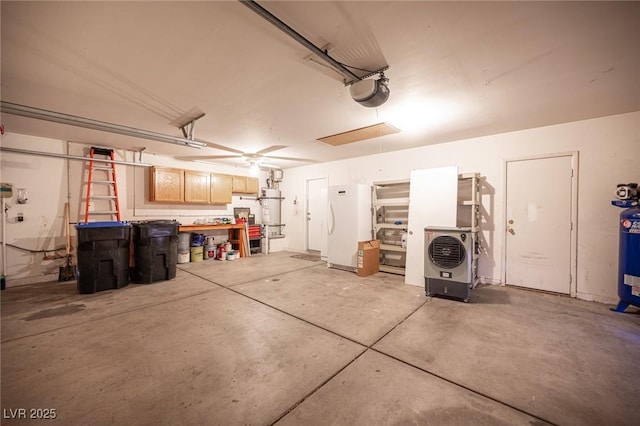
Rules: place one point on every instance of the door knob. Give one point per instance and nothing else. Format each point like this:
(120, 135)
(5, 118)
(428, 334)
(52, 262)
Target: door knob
(511, 222)
(511, 231)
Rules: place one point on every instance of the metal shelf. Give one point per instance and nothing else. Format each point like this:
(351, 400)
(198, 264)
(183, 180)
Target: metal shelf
(393, 247)
(394, 204)
(392, 269)
(471, 183)
(390, 226)
(394, 194)
(469, 175)
(391, 203)
(391, 182)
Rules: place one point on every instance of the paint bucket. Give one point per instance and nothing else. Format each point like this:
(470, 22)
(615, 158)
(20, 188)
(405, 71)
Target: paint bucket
(197, 240)
(196, 254)
(184, 239)
(184, 256)
(210, 252)
(231, 255)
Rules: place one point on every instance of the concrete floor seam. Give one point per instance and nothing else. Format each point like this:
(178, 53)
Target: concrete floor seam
(370, 347)
(250, 281)
(464, 387)
(345, 366)
(332, 332)
(438, 376)
(111, 316)
(283, 312)
(398, 324)
(328, 379)
(317, 388)
(248, 362)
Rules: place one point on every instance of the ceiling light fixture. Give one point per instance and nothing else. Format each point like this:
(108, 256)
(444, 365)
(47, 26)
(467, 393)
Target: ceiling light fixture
(254, 168)
(88, 123)
(254, 160)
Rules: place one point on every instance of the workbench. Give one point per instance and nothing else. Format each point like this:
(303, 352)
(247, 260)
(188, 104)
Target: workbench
(237, 234)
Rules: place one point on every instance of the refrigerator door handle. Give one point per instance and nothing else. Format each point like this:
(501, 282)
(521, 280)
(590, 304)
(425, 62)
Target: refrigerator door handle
(332, 220)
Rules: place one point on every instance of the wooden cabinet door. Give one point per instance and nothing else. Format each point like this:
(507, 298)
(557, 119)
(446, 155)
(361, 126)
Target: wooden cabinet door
(221, 189)
(252, 185)
(166, 184)
(239, 184)
(245, 185)
(196, 187)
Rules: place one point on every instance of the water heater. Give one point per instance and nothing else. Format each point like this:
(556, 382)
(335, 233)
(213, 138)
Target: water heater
(270, 199)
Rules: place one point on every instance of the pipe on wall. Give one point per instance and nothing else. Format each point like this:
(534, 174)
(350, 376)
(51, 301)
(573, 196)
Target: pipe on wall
(88, 123)
(71, 157)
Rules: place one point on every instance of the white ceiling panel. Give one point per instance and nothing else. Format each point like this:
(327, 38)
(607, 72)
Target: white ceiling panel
(457, 70)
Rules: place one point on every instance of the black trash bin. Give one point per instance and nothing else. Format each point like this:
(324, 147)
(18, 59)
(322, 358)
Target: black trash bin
(155, 251)
(103, 255)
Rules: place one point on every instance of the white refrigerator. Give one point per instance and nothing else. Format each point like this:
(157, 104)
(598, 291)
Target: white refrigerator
(349, 222)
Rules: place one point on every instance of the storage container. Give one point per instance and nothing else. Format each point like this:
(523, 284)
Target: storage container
(209, 252)
(155, 248)
(197, 254)
(103, 256)
(184, 256)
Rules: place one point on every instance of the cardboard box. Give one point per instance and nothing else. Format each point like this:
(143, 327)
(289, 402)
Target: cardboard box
(368, 257)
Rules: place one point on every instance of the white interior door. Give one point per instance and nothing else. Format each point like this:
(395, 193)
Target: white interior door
(538, 240)
(317, 215)
(433, 201)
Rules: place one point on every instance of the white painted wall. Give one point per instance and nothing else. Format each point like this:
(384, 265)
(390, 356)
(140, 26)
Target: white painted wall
(49, 181)
(45, 180)
(609, 149)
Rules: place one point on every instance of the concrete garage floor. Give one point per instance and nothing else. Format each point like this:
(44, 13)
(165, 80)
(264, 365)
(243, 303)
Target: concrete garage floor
(277, 339)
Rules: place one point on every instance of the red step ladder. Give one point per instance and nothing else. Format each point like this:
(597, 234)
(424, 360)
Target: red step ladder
(106, 191)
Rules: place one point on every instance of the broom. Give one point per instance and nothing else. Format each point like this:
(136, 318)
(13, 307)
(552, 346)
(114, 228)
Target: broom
(68, 271)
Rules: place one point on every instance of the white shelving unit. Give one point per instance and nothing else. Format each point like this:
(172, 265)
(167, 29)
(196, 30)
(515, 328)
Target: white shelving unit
(469, 200)
(469, 207)
(390, 201)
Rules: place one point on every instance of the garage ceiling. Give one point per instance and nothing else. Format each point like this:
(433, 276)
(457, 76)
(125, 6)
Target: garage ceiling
(457, 70)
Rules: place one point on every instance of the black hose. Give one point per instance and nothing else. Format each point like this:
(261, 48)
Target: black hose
(34, 251)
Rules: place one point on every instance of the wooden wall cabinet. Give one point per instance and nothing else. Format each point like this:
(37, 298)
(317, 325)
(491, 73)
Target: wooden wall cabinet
(239, 184)
(245, 185)
(166, 184)
(196, 187)
(221, 189)
(252, 185)
(170, 185)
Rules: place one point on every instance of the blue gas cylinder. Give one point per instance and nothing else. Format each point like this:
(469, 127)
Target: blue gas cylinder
(629, 259)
